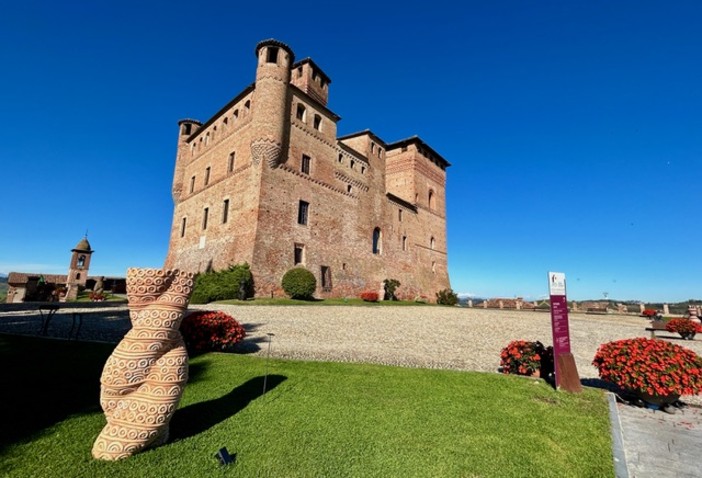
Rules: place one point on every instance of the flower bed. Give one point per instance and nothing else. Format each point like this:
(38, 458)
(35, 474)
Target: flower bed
(649, 366)
(685, 327)
(369, 296)
(207, 330)
(522, 357)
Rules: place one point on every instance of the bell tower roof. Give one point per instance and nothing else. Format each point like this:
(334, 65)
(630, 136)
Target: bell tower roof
(83, 245)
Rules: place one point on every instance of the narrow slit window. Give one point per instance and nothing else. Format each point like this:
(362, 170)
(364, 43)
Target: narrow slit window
(225, 211)
(232, 157)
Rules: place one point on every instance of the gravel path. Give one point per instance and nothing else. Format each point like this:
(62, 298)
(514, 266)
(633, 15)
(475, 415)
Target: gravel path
(422, 336)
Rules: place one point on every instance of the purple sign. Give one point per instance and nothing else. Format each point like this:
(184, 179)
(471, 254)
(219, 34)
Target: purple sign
(559, 320)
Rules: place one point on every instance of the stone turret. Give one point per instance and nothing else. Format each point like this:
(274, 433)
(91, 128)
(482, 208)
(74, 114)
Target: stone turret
(270, 103)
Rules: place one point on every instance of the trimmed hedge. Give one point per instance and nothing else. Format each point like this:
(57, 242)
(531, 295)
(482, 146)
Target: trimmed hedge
(236, 282)
(299, 283)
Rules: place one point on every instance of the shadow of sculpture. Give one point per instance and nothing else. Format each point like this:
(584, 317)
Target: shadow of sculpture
(199, 417)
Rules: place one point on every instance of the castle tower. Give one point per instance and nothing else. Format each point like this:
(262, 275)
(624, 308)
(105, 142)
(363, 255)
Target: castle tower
(270, 105)
(78, 269)
(186, 127)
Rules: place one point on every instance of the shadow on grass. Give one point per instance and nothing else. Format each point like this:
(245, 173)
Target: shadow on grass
(200, 417)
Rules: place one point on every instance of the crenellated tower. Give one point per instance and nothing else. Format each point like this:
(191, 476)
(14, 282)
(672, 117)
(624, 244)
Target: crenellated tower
(271, 104)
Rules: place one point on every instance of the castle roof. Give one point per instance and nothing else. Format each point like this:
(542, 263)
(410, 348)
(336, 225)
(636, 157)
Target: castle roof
(314, 66)
(274, 42)
(365, 132)
(416, 140)
(83, 245)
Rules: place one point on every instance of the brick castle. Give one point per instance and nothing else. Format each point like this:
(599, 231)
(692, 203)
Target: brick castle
(267, 181)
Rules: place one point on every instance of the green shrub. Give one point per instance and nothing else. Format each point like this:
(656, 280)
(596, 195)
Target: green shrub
(446, 297)
(390, 286)
(299, 283)
(236, 282)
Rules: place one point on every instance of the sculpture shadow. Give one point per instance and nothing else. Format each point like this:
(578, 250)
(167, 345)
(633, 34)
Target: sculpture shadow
(199, 417)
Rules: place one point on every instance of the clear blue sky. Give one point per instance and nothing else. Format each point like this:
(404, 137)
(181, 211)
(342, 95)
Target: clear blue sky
(574, 128)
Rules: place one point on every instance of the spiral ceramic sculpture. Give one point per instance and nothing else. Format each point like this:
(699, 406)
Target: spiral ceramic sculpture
(143, 379)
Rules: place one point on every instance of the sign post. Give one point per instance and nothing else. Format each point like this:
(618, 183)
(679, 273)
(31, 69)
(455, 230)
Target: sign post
(567, 377)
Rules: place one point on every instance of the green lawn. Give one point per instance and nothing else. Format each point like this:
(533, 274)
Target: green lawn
(316, 419)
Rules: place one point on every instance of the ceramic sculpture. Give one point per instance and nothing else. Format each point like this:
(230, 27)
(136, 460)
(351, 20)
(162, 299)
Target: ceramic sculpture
(143, 379)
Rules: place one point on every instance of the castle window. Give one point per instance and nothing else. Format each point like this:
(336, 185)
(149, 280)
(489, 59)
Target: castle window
(204, 218)
(404, 243)
(377, 240)
(326, 281)
(272, 56)
(182, 226)
(301, 112)
(225, 211)
(192, 184)
(432, 201)
(299, 254)
(207, 175)
(232, 157)
(399, 215)
(432, 243)
(318, 122)
(302, 212)
(305, 166)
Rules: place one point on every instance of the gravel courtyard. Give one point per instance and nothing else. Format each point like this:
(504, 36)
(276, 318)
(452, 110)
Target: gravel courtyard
(412, 336)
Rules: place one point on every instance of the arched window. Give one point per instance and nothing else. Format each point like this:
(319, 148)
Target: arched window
(301, 112)
(377, 240)
(432, 243)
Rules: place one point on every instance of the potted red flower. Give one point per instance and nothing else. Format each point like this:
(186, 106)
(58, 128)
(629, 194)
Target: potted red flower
(522, 357)
(207, 330)
(657, 371)
(685, 327)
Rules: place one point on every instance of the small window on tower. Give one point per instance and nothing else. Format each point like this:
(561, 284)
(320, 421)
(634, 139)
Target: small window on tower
(301, 113)
(272, 56)
(305, 166)
(299, 255)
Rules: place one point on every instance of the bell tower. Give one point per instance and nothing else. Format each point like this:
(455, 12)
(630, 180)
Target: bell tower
(78, 269)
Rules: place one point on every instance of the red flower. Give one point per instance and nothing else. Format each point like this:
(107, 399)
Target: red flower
(652, 366)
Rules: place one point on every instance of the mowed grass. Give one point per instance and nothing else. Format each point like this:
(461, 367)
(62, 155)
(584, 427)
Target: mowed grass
(315, 419)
